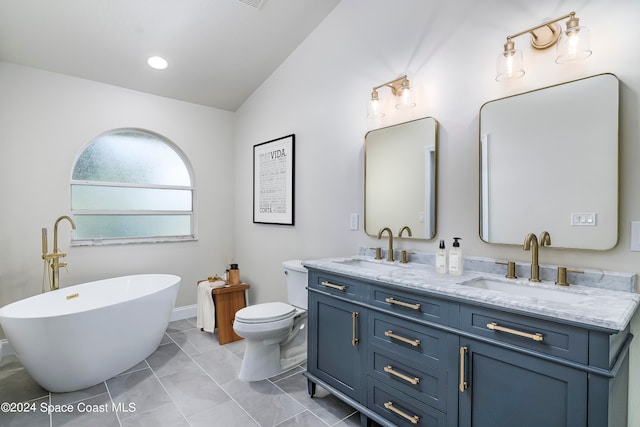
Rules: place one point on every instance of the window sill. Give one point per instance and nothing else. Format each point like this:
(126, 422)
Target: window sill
(108, 242)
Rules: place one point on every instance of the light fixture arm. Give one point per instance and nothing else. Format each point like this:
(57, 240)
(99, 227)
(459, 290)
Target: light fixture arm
(394, 84)
(572, 22)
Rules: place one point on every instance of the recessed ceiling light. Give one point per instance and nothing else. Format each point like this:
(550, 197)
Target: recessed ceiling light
(157, 63)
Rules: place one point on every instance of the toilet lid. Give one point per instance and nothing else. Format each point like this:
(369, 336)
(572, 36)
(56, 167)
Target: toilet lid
(267, 312)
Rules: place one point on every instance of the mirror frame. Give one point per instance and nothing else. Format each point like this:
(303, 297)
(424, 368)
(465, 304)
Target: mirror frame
(610, 238)
(433, 185)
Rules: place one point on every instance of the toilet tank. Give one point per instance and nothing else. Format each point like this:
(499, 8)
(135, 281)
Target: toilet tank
(296, 276)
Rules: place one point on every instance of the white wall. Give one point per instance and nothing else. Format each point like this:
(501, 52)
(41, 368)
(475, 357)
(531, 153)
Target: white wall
(45, 120)
(448, 50)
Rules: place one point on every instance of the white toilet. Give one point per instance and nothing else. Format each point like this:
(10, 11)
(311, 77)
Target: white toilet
(275, 333)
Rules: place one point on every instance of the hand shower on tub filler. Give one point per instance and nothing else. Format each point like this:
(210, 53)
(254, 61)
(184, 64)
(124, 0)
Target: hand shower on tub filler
(52, 262)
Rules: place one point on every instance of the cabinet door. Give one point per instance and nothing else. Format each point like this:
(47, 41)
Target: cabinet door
(506, 389)
(337, 351)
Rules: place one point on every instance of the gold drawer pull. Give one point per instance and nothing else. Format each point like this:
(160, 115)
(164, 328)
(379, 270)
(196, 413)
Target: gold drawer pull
(331, 285)
(354, 334)
(391, 300)
(389, 369)
(412, 419)
(463, 384)
(495, 327)
(390, 334)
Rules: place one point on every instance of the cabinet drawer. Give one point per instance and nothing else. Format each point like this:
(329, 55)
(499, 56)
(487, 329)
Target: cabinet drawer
(337, 285)
(425, 346)
(401, 409)
(547, 337)
(409, 304)
(426, 385)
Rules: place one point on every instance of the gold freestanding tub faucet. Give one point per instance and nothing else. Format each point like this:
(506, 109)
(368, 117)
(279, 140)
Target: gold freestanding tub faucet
(390, 250)
(53, 259)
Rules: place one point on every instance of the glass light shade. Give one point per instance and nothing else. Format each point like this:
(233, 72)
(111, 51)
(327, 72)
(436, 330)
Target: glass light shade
(573, 45)
(509, 65)
(374, 108)
(405, 98)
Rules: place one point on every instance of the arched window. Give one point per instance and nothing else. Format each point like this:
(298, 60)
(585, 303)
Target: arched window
(131, 185)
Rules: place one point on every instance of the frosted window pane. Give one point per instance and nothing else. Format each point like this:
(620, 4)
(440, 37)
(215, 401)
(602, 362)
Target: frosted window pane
(128, 198)
(131, 226)
(131, 157)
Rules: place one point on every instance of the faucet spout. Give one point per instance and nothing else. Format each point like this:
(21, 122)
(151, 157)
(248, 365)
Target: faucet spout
(390, 250)
(55, 230)
(531, 243)
(406, 227)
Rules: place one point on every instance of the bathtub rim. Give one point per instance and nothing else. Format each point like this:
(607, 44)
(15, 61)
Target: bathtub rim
(175, 280)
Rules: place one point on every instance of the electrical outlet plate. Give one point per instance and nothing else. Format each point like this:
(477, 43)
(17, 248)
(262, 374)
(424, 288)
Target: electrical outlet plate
(635, 236)
(583, 219)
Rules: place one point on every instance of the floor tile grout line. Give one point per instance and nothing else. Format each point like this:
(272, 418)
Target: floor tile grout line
(112, 402)
(168, 394)
(305, 408)
(212, 379)
(301, 403)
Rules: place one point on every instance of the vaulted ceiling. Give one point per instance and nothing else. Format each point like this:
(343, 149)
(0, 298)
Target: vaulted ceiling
(219, 51)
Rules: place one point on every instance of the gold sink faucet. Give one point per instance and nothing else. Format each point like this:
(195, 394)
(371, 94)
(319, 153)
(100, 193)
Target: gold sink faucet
(531, 243)
(390, 250)
(53, 258)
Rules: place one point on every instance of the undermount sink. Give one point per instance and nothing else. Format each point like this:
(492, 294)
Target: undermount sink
(367, 265)
(526, 290)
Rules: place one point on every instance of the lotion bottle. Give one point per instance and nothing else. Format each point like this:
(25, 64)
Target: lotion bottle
(456, 262)
(441, 259)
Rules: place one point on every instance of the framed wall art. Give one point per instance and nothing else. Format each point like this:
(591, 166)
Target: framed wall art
(273, 181)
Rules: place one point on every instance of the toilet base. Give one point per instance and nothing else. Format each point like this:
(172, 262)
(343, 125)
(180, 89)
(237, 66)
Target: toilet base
(265, 358)
(260, 361)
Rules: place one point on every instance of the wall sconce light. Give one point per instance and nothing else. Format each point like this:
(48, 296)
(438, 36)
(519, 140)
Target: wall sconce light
(572, 44)
(401, 88)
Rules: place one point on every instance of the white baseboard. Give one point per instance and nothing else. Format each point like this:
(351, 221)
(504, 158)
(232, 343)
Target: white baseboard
(178, 313)
(184, 312)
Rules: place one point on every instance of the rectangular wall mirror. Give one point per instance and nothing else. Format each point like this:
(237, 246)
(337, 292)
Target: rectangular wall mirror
(549, 162)
(400, 178)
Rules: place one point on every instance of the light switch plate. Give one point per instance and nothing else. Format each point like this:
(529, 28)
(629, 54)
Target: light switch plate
(354, 222)
(635, 236)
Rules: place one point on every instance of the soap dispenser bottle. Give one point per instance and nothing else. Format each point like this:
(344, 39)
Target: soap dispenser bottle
(441, 259)
(456, 262)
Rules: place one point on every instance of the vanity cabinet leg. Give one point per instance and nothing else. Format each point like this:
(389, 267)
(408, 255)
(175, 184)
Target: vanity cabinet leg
(311, 388)
(364, 421)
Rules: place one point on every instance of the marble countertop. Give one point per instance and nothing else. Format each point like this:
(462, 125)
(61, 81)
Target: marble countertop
(602, 308)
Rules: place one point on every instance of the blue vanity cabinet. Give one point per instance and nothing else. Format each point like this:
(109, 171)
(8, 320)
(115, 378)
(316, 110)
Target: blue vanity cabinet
(503, 388)
(539, 371)
(408, 357)
(336, 336)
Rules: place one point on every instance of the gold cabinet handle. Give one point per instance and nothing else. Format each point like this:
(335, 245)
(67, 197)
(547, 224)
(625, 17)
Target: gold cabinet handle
(390, 334)
(331, 285)
(391, 300)
(389, 369)
(414, 419)
(495, 327)
(463, 385)
(354, 320)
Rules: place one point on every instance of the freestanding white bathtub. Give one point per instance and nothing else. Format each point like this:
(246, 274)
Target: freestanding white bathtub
(78, 336)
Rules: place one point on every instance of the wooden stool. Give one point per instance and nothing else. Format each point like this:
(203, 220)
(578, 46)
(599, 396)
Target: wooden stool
(227, 301)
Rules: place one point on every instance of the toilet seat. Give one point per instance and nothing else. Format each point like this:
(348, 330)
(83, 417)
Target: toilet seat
(265, 313)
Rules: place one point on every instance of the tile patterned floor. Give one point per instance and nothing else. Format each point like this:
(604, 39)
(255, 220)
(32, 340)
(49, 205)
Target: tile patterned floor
(189, 381)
